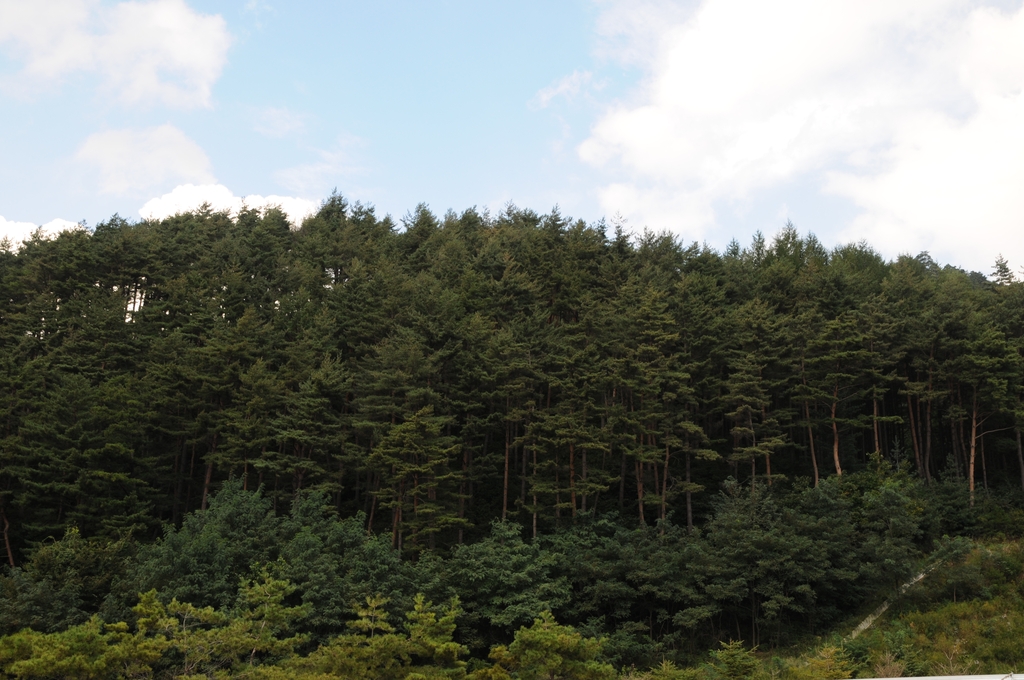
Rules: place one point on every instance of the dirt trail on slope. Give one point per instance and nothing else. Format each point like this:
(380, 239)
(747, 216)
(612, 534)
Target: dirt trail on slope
(873, 616)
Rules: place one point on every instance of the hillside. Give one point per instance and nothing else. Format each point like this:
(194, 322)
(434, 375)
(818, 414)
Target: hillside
(664, 446)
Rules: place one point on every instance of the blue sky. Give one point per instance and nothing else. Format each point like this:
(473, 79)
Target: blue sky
(393, 103)
(899, 121)
(399, 102)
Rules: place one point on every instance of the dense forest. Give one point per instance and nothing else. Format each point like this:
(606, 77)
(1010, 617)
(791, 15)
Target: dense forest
(624, 450)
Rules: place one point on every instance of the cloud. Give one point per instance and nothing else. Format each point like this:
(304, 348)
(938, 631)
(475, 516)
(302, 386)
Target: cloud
(909, 109)
(189, 197)
(569, 86)
(274, 122)
(952, 185)
(258, 8)
(319, 177)
(18, 232)
(135, 160)
(632, 32)
(155, 52)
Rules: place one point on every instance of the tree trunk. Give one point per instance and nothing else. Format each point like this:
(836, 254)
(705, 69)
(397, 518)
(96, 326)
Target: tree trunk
(835, 432)
(984, 468)
(810, 442)
(640, 490)
(753, 618)
(974, 446)
(206, 484)
(657, 482)
(583, 496)
(432, 497)
(179, 464)
(622, 482)
(572, 478)
(1020, 457)
(928, 443)
(469, 477)
(522, 474)
(465, 474)
(689, 495)
(753, 456)
(810, 430)
(558, 495)
(396, 517)
(341, 485)
(371, 489)
(7, 537)
(664, 486)
(957, 453)
(878, 443)
(504, 488)
(534, 486)
(913, 436)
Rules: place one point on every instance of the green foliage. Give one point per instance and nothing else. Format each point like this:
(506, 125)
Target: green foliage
(503, 583)
(186, 640)
(965, 617)
(828, 661)
(414, 460)
(668, 671)
(92, 651)
(202, 562)
(733, 660)
(331, 562)
(376, 650)
(64, 582)
(665, 446)
(547, 650)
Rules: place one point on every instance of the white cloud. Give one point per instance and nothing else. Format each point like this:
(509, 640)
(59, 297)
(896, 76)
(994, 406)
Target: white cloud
(189, 197)
(569, 86)
(911, 109)
(17, 232)
(157, 51)
(275, 122)
(143, 159)
(632, 31)
(319, 177)
(258, 7)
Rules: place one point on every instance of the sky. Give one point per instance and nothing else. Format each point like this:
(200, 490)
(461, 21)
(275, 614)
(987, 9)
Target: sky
(896, 122)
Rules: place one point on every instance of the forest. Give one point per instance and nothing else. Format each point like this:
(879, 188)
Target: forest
(509, 445)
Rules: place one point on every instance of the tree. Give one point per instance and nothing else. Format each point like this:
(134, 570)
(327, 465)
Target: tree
(761, 563)
(548, 651)
(756, 432)
(985, 365)
(839, 361)
(413, 460)
(374, 650)
(733, 661)
(202, 562)
(502, 583)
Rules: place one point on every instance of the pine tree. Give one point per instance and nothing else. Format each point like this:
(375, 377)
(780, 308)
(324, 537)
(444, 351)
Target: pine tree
(756, 432)
(418, 485)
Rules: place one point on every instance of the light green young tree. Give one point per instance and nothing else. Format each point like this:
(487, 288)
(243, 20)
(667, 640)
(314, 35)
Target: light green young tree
(549, 651)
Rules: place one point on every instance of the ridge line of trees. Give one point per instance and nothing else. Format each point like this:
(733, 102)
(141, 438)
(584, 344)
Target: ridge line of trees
(655, 441)
(461, 369)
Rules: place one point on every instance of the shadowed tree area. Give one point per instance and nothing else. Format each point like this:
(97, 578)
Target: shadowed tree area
(598, 451)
